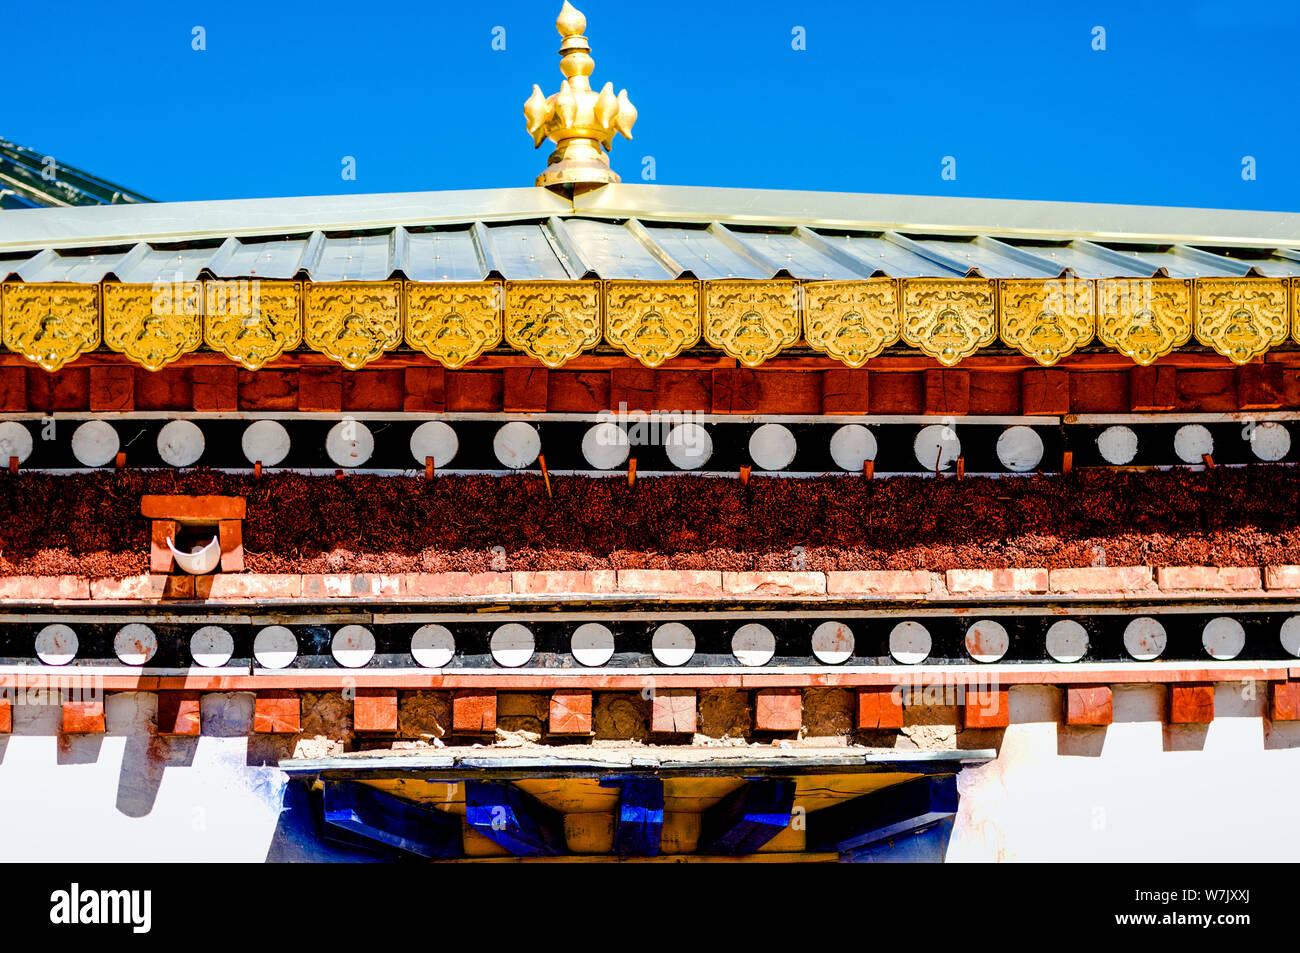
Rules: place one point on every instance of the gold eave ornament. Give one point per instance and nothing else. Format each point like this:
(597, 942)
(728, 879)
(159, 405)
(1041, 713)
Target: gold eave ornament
(252, 322)
(453, 322)
(553, 321)
(652, 321)
(353, 322)
(1144, 318)
(153, 325)
(751, 320)
(1047, 319)
(852, 321)
(949, 318)
(50, 324)
(1241, 318)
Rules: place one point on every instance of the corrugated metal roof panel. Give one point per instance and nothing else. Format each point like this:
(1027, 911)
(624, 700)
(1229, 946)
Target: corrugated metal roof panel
(882, 256)
(524, 253)
(703, 254)
(614, 252)
(50, 266)
(146, 264)
(444, 255)
(354, 258)
(280, 259)
(792, 253)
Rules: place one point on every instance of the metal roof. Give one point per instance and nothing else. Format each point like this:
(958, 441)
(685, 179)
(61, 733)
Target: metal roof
(31, 180)
(638, 232)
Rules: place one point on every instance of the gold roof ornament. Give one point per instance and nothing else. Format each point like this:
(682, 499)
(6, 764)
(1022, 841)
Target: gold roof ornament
(581, 122)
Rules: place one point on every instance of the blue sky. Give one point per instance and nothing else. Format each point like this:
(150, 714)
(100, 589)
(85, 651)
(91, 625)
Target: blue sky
(1014, 92)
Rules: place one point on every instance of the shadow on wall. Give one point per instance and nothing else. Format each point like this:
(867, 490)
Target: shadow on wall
(926, 846)
(299, 835)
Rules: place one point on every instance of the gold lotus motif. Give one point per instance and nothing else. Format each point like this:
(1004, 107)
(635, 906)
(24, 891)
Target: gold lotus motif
(652, 321)
(51, 324)
(552, 321)
(1241, 318)
(1047, 320)
(751, 320)
(453, 322)
(153, 325)
(947, 318)
(354, 322)
(1144, 318)
(252, 322)
(852, 321)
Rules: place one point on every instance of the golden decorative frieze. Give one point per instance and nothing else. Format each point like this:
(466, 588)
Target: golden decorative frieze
(1144, 318)
(949, 318)
(353, 322)
(252, 322)
(553, 321)
(154, 324)
(1241, 318)
(652, 320)
(52, 324)
(751, 320)
(453, 322)
(1047, 319)
(852, 321)
(1295, 309)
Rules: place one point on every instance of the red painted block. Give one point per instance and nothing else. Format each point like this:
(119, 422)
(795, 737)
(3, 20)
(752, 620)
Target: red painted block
(375, 709)
(268, 390)
(6, 717)
(160, 556)
(112, 388)
(732, 390)
(898, 393)
(83, 718)
(1285, 704)
(477, 391)
(672, 711)
(880, 707)
(374, 390)
(474, 711)
(1045, 391)
(570, 712)
(1099, 392)
(1191, 704)
(778, 709)
(994, 392)
(196, 508)
(987, 708)
(684, 390)
(69, 389)
(1088, 705)
(230, 535)
(172, 388)
(631, 386)
(525, 389)
(425, 390)
(1260, 387)
(1152, 388)
(277, 713)
(320, 389)
(216, 387)
(846, 391)
(178, 713)
(577, 392)
(947, 391)
(13, 388)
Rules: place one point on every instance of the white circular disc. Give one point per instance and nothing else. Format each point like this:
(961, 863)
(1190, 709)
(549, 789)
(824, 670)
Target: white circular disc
(936, 442)
(1145, 639)
(517, 444)
(772, 447)
(211, 646)
(135, 643)
(1118, 445)
(433, 438)
(1291, 635)
(1191, 442)
(353, 646)
(1223, 637)
(180, 443)
(56, 644)
(688, 446)
(432, 646)
(605, 446)
(832, 643)
(1067, 641)
(987, 641)
(1020, 448)
(275, 647)
(910, 643)
(673, 644)
(512, 644)
(592, 644)
(349, 443)
(265, 442)
(95, 443)
(753, 644)
(1270, 440)
(15, 441)
(851, 446)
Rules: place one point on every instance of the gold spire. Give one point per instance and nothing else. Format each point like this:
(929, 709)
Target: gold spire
(581, 122)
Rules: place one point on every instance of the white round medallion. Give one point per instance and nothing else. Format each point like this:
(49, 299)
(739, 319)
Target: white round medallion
(211, 646)
(95, 443)
(592, 644)
(1067, 641)
(851, 446)
(910, 643)
(1270, 440)
(56, 644)
(1192, 442)
(265, 442)
(832, 643)
(605, 446)
(15, 441)
(353, 646)
(688, 446)
(135, 643)
(1145, 639)
(1223, 638)
(275, 647)
(753, 644)
(349, 443)
(1020, 448)
(936, 442)
(517, 444)
(512, 645)
(987, 641)
(1291, 635)
(1118, 445)
(772, 447)
(180, 443)
(673, 644)
(433, 438)
(432, 646)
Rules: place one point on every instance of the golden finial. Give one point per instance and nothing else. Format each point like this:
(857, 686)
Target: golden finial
(581, 122)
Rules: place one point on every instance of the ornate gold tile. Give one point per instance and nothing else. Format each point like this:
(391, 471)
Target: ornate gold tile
(553, 321)
(1295, 309)
(852, 321)
(949, 318)
(751, 320)
(1144, 318)
(453, 322)
(1241, 318)
(252, 322)
(51, 324)
(353, 322)
(652, 320)
(154, 324)
(1047, 319)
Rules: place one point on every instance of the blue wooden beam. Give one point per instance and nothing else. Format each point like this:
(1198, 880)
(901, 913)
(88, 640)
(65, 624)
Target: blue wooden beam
(514, 819)
(747, 818)
(889, 812)
(639, 823)
(361, 815)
